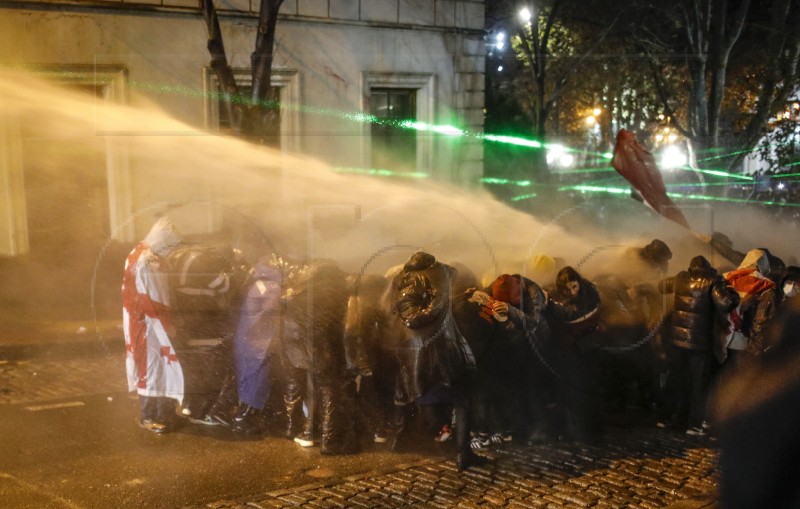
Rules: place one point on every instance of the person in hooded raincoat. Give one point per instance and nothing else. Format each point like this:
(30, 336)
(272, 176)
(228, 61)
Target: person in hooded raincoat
(258, 325)
(152, 366)
(431, 360)
(747, 323)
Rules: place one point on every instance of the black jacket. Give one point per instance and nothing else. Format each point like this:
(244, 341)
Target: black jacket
(700, 293)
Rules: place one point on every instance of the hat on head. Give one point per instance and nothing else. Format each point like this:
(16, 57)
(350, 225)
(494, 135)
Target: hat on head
(507, 288)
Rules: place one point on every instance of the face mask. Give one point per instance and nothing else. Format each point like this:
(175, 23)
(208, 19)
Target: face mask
(790, 289)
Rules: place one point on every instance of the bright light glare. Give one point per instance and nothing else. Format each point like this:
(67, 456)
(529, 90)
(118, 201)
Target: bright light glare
(554, 153)
(500, 40)
(525, 14)
(499, 68)
(590, 120)
(557, 154)
(672, 157)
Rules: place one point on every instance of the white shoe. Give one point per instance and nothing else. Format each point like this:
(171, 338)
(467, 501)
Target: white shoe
(696, 432)
(304, 440)
(480, 442)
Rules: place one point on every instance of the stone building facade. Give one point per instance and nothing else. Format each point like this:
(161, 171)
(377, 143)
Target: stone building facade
(331, 58)
(335, 63)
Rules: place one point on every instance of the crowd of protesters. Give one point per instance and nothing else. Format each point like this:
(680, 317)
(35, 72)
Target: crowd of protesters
(339, 360)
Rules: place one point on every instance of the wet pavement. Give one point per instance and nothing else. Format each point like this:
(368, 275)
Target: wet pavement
(632, 468)
(632, 465)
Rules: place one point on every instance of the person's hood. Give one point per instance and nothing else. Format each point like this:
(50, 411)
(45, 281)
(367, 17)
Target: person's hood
(700, 266)
(756, 259)
(163, 237)
(699, 262)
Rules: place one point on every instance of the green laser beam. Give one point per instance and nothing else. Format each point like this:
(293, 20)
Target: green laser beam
(502, 181)
(701, 197)
(381, 172)
(445, 130)
(524, 197)
(512, 140)
(716, 173)
(601, 169)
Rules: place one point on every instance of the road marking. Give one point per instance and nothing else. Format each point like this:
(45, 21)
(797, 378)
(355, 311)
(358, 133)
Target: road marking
(38, 408)
(38, 490)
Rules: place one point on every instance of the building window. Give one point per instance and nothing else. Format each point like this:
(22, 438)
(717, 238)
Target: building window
(33, 222)
(392, 98)
(286, 84)
(393, 147)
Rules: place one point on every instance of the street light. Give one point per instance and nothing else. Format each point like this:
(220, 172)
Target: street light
(557, 154)
(672, 157)
(500, 40)
(525, 15)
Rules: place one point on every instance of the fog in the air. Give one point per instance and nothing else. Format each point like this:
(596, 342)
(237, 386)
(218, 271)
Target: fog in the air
(301, 208)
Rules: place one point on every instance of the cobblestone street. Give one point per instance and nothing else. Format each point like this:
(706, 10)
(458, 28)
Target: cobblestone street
(43, 379)
(631, 466)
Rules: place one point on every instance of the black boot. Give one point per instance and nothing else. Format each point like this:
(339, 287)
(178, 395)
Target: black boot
(291, 401)
(248, 419)
(398, 424)
(337, 423)
(465, 458)
(328, 431)
(348, 409)
(222, 409)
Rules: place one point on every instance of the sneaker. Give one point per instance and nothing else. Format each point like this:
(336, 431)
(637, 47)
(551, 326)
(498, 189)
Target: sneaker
(304, 440)
(153, 426)
(480, 442)
(501, 438)
(445, 434)
(662, 425)
(380, 438)
(696, 432)
(205, 421)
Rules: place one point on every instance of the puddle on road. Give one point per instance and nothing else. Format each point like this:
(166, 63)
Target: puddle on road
(320, 473)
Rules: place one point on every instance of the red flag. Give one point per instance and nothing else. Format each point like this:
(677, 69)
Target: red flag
(639, 168)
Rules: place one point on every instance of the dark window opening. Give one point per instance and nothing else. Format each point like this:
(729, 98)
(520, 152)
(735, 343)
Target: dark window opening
(224, 121)
(393, 147)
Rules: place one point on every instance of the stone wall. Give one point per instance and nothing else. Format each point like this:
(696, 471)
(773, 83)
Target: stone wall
(463, 14)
